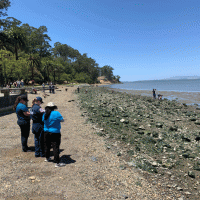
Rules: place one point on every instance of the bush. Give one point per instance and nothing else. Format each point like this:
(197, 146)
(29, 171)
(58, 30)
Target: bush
(82, 78)
(65, 77)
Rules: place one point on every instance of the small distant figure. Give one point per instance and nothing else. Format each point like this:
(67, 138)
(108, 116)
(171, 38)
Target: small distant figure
(50, 88)
(53, 88)
(154, 93)
(18, 83)
(10, 84)
(43, 86)
(33, 82)
(160, 96)
(78, 89)
(86, 91)
(22, 83)
(34, 90)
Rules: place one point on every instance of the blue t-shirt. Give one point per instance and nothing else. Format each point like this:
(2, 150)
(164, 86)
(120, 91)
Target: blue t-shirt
(52, 124)
(22, 119)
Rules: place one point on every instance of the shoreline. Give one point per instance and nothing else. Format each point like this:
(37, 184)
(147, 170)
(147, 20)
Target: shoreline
(158, 137)
(188, 98)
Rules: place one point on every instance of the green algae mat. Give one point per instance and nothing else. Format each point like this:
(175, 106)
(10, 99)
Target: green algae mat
(157, 136)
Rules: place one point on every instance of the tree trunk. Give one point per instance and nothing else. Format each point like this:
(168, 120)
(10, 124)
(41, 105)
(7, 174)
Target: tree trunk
(32, 70)
(16, 53)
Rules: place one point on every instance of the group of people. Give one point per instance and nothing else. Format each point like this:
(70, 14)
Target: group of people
(17, 84)
(45, 127)
(51, 87)
(154, 95)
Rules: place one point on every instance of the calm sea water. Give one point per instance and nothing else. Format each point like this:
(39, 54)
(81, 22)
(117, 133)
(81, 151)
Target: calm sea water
(187, 89)
(184, 85)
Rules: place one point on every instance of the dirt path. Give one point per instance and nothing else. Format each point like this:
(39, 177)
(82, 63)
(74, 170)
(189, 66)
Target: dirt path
(92, 171)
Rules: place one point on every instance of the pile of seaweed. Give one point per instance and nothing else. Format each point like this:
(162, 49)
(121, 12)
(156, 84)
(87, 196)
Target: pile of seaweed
(160, 137)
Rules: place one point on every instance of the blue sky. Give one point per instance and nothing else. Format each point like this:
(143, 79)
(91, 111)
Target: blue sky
(141, 40)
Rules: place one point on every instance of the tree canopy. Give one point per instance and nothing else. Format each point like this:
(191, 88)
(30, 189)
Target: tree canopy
(26, 53)
(4, 4)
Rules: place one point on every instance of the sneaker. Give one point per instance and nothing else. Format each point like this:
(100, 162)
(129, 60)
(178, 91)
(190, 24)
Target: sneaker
(60, 165)
(47, 160)
(26, 150)
(29, 149)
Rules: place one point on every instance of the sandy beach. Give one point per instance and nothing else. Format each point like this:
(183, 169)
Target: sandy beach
(92, 169)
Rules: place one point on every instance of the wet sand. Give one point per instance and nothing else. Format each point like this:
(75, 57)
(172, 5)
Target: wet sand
(183, 97)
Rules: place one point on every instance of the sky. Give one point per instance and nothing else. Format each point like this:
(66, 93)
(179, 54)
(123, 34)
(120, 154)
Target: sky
(139, 39)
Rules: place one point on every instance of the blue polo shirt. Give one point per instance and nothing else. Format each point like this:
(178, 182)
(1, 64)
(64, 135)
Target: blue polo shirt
(22, 119)
(52, 124)
(36, 116)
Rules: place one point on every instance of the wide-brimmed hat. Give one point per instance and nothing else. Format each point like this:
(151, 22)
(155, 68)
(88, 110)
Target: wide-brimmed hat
(39, 99)
(51, 104)
(24, 97)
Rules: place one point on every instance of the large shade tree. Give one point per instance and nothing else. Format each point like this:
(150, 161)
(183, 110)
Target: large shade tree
(4, 4)
(64, 51)
(107, 71)
(14, 37)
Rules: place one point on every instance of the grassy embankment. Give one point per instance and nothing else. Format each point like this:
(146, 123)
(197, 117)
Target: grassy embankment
(157, 136)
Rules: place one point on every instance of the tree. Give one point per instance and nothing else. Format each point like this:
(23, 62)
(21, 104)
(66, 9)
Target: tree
(41, 41)
(83, 78)
(35, 59)
(64, 51)
(4, 4)
(12, 69)
(4, 41)
(107, 71)
(13, 36)
(10, 22)
(117, 78)
(17, 41)
(65, 77)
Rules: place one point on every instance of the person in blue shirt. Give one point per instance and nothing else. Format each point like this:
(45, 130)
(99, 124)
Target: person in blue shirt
(52, 135)
(38, 126)
(23, 116)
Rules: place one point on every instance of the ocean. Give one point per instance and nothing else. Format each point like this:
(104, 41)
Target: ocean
(183, 85)
(184, 90)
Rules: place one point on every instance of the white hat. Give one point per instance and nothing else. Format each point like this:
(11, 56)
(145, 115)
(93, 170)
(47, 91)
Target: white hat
(51, 104)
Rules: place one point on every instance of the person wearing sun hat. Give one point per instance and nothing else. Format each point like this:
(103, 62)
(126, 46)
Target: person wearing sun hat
(52, 135)
(38, 126)
(23, 116)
